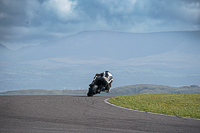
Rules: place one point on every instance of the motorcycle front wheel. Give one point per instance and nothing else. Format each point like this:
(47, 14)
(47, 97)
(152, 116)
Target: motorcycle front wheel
(92, 90)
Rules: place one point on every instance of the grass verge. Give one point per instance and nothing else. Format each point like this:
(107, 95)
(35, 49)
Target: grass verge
(183, 105)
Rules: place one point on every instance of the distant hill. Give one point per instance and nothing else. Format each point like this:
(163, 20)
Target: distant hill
(125, 90)
(45, 92)
(147, 89)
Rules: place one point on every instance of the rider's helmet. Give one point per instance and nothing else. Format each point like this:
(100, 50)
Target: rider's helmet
(106, 73)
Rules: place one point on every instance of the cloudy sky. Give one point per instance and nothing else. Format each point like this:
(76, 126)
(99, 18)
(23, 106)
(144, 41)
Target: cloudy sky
(30, 22)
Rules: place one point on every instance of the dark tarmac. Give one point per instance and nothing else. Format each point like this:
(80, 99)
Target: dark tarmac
(81, 114)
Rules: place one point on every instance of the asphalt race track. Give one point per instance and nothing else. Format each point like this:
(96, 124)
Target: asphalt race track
(81, 114)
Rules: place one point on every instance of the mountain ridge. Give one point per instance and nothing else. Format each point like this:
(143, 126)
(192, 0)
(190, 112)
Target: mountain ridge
(169, 58)
(125, 44)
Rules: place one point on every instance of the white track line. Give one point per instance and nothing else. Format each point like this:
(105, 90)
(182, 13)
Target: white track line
(106, 101)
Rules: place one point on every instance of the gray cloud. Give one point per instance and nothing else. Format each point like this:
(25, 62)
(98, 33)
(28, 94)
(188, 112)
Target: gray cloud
(31, 22)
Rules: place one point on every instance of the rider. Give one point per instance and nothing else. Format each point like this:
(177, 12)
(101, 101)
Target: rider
(108, 79)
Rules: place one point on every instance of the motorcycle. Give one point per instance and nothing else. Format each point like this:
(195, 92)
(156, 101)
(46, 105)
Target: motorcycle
(98, 84)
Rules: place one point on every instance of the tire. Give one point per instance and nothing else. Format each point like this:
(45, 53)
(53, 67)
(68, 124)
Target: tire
(92, 90)
(89, 94)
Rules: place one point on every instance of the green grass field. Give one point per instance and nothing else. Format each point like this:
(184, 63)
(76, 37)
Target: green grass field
(183, 105)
